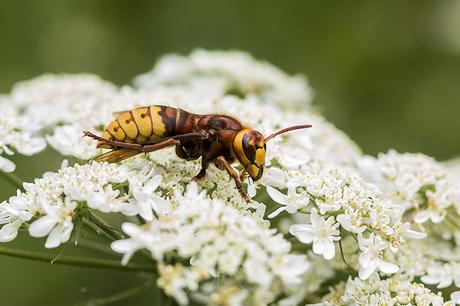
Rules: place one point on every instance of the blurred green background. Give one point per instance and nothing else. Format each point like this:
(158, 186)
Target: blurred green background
(386, 72)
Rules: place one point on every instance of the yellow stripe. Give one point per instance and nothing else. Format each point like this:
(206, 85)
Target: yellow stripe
(238, 148)
(253, 171)
(128, 125)
(159, 128)
(260, 157)
(115, 129)
(106, 135)
(143, 121)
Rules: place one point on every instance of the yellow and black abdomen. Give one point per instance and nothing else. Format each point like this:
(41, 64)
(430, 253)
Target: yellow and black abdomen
(146, 124)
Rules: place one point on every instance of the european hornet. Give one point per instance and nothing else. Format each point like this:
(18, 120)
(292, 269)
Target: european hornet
(217, 139)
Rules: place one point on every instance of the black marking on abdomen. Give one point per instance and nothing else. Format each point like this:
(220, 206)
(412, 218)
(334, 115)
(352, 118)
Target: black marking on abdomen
(168, 121)
(182, 120)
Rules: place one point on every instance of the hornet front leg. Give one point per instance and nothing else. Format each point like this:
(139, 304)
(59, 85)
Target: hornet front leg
(223, 164)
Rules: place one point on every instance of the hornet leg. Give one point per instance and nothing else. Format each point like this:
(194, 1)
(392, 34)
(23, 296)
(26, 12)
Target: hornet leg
(114, 143)
(160, 145)
(142, 148)
(221, 161)
(202, 173)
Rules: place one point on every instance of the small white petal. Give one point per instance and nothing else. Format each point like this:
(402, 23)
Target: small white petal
(422, 216)
(153, 184)
(387, 267)
(277, 196)
(9, 231)
(455, 297)
(6, 165)
(319, 246)
(252, 191)
(42, 226)
(145, 210)
(366, 272)
(54, 238)
(429, 279)
(130, 228)
(303, 232)
(344, 221)
(365, 259)
(276, 212)
(122, 246)
(329, 249)
(316, 220)
(436, 218)
(125, 259)
(415, 234)
(161, 206)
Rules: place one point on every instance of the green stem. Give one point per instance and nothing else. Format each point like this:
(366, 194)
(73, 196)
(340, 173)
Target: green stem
(341, 250)
(453, 222)
(94, 246)
(13, 179)
(101, 227)
(77, 261)
(110, 231)
(97, 229)
(119, 295)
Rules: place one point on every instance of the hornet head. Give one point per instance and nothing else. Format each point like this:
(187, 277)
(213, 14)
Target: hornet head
(249, 147)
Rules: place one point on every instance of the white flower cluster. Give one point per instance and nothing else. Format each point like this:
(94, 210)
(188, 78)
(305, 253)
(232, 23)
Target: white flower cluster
(131, 188)
(421, 186)
(214, 241)
(211, 246)
(433, 261)
(391, 291)
(59, 107)
(332, 199)
(16, 134)
(454, 166)
(50, 204)
(230, 73)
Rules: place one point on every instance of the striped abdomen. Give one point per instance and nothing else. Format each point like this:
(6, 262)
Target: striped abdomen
(145, 124)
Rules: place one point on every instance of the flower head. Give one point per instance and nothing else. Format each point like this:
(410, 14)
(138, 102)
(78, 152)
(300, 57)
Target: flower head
(322, 232)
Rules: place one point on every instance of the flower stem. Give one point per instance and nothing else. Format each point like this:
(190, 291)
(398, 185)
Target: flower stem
(110, 231)
(77, 261)
(101, 227)
(341, 250)
(94, 246)
(13, 179)
(119, 295)
(97, 229)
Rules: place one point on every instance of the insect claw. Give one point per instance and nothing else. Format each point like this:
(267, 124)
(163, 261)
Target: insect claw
(199, 176)
(245, 196)
(89, 134)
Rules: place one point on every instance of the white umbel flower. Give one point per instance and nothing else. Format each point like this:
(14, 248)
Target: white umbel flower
(56, 223)
(16, 133)
(371, 257)
(146, 199)
(54, 198)
(218, 241)
(291, 202)
(391, 291)
(206, 241)
(322, 232)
